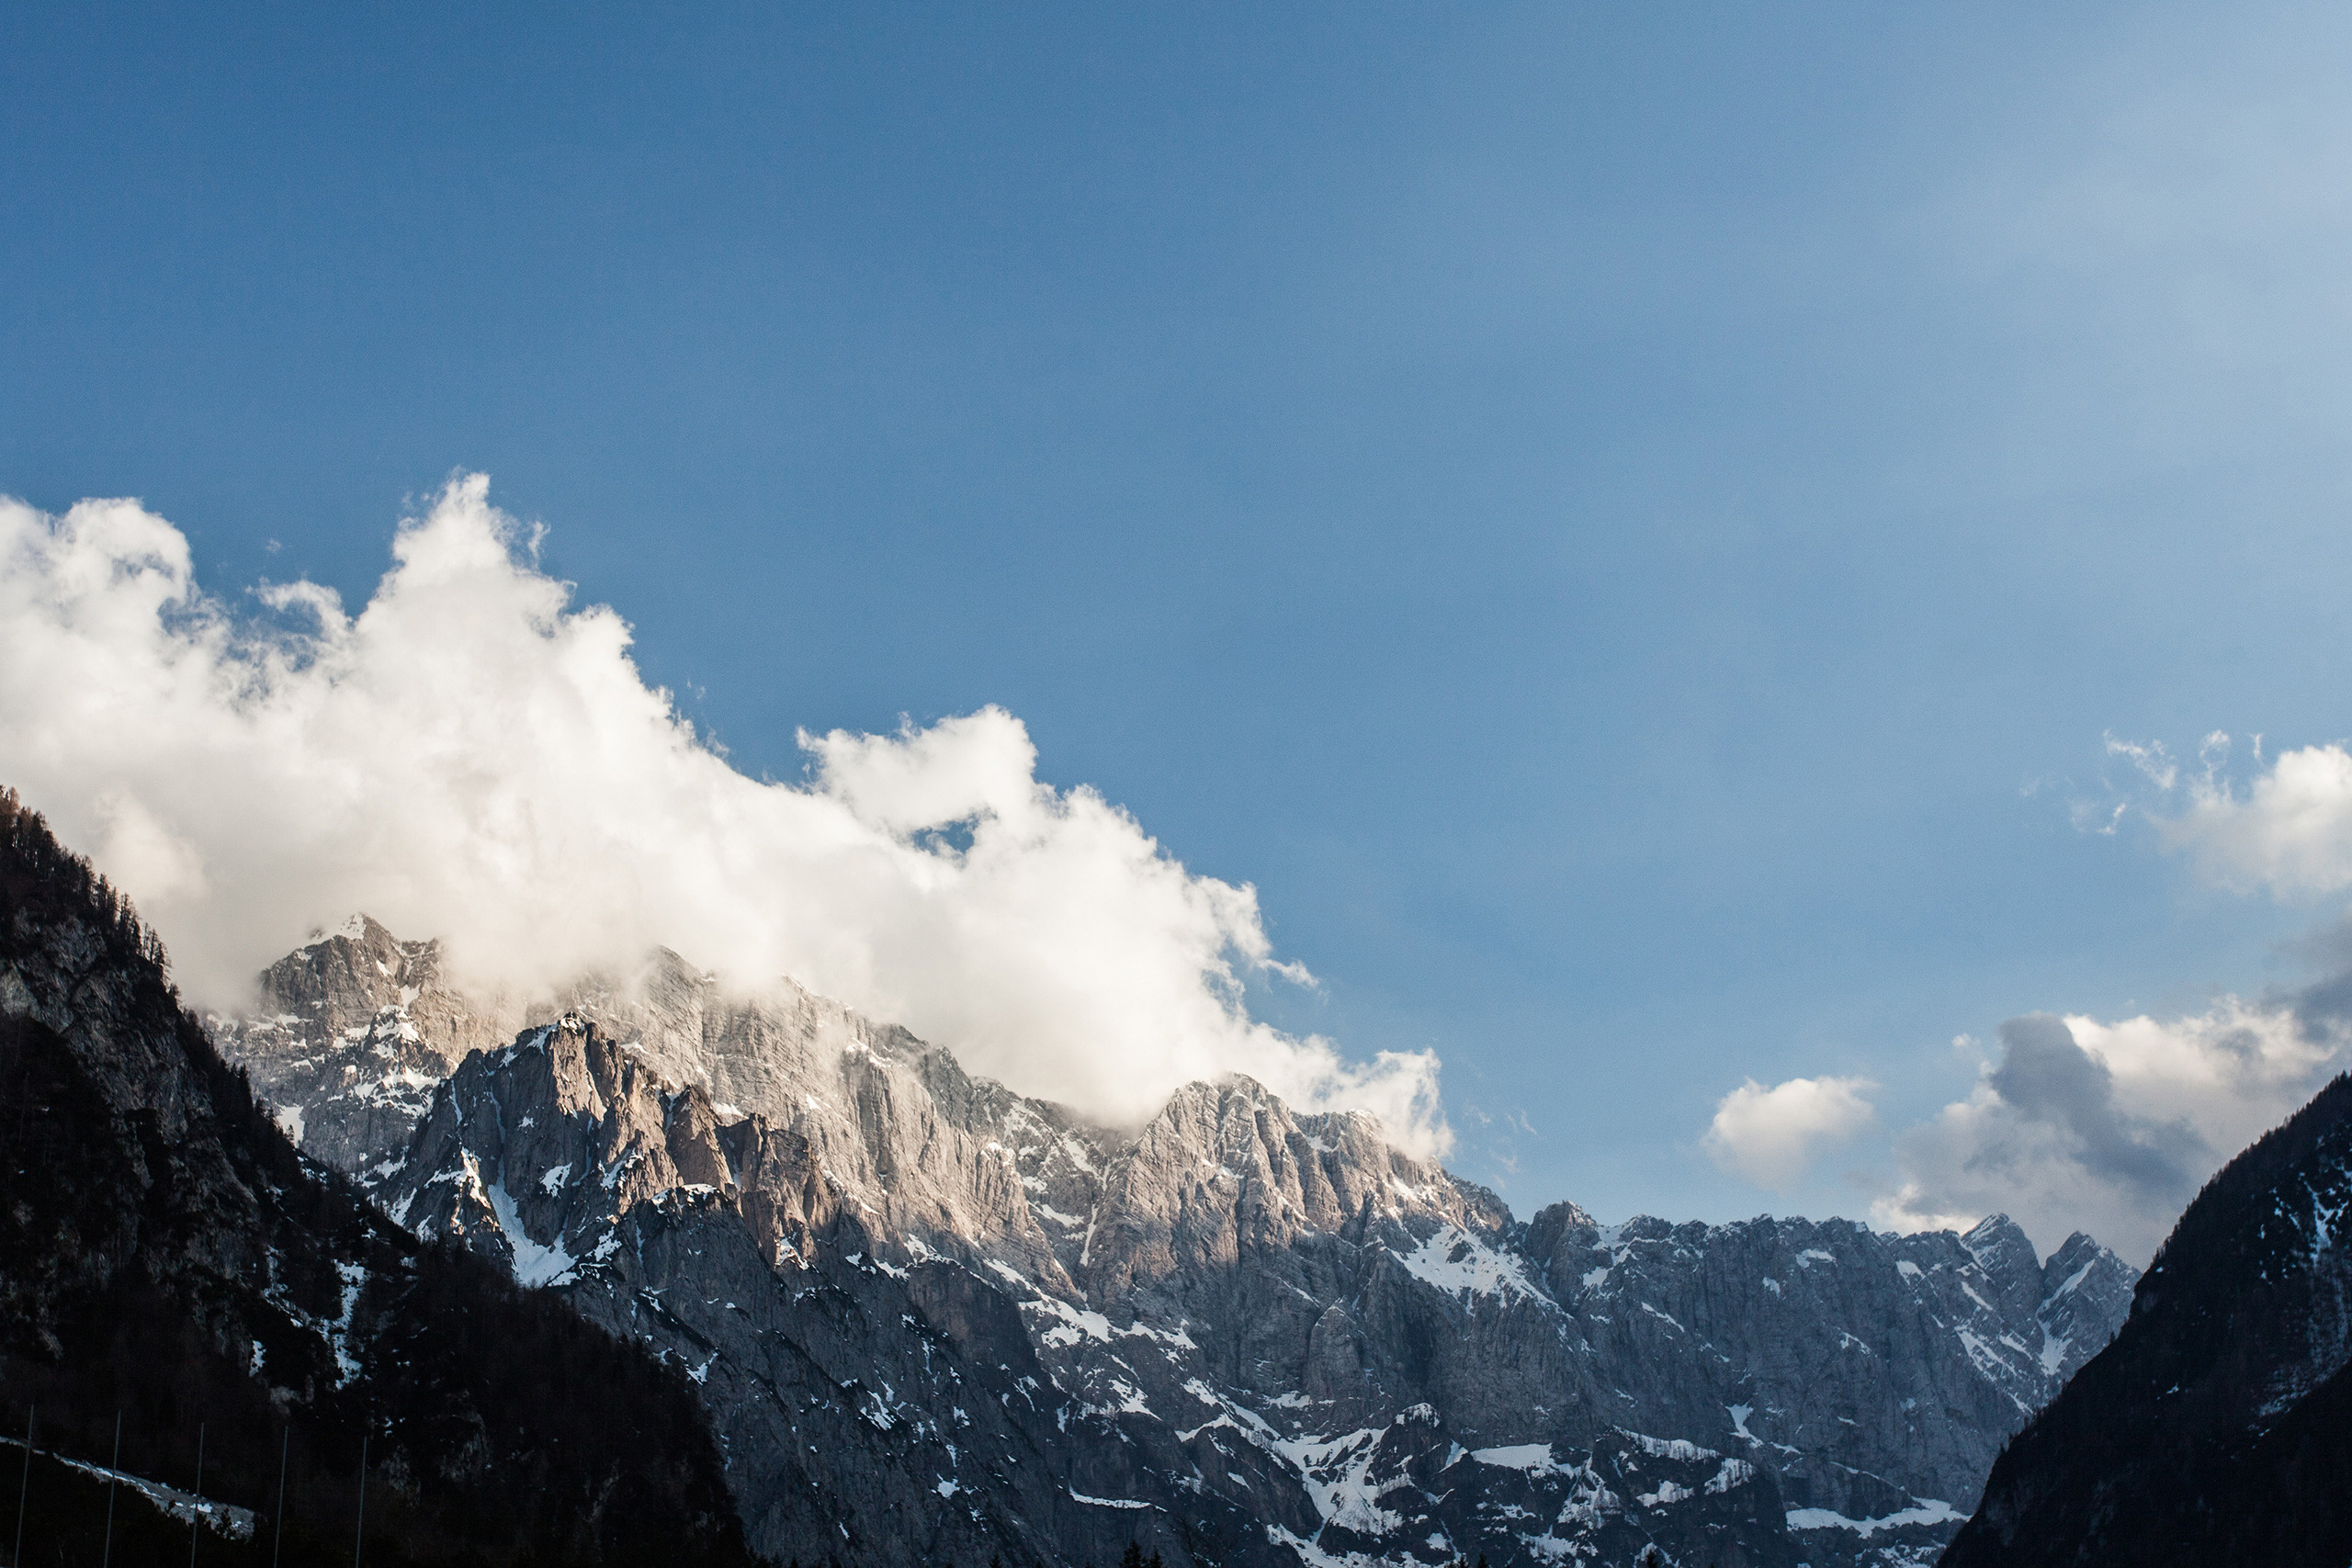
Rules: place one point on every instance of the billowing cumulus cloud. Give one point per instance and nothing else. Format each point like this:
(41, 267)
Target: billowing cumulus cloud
(1772, 1135)
(472, 756)
(2289, 832)
(2113, 1127)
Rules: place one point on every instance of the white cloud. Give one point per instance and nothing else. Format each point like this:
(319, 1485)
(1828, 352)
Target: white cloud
(471, 756)
(2152, 759)
(2111, 1127)
(1771, 1135)
(2290, 831)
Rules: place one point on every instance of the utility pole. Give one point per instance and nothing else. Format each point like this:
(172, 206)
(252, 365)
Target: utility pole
(284, 1444)
(106, 1558)
(23, 1487)
(195, 1524)
(360, 1537)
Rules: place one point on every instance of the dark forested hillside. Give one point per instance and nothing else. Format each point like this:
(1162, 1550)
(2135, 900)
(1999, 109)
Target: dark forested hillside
(2217, 1426)
(166, 1257)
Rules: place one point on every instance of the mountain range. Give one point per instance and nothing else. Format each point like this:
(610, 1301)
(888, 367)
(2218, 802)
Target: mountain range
(931, 1319)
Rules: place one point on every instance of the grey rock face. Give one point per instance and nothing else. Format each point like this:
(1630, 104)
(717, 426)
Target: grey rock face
(1876, 1374)
(352, 1033)
(952, 1321)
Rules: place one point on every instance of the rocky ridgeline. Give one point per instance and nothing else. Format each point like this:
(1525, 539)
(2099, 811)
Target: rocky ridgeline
(935, 1319)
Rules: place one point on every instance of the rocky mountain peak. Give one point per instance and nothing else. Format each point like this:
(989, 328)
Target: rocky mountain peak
(1226, 1171)
(2008, 1257)
(348, 1036)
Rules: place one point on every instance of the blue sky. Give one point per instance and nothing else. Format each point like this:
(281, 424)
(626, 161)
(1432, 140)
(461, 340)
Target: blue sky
(1630, 528)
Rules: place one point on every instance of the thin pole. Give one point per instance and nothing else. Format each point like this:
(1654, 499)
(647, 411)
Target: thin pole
(284, 1444)
(24, 1488)
(196, 1515)
(113, 1470)
(361, 1535)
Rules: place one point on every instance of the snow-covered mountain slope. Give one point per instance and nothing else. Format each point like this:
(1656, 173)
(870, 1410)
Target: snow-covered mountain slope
(2217, 1427)
(953, 1320)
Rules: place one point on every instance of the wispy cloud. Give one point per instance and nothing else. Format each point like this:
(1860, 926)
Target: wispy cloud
(2110, 1126)
(2154, 763)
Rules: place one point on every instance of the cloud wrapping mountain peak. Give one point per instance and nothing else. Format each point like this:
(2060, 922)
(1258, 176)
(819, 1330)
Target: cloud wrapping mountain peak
(469, 754)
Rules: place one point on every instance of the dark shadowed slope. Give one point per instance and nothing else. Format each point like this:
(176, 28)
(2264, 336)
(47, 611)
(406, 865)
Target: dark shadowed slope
(165, 1253)
(2217, 1426)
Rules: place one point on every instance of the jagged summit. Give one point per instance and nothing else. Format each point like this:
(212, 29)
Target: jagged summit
(349, 1034)
(1237, 1333)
